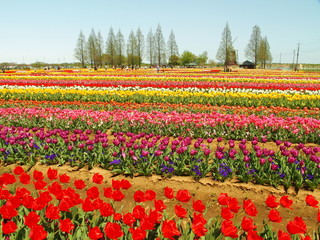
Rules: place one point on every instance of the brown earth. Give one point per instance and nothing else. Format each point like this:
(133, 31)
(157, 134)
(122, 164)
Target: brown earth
(205, 189)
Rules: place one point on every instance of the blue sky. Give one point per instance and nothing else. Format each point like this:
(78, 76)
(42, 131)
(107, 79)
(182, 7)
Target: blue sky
(42, 30)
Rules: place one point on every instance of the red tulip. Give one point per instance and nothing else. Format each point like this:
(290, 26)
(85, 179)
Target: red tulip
(180, 211)
(38, 233)
(129, 219)
(274, 216)
(138, 233)
(168, 192)
(228, 229)
(79, 184)
(199, 229)
(247, 224)
(253, 235)
(9, 227)
(139, 196)
(125, 184)
(52, 173)
(234, 205)
(286, 202)
(150, 195)
(113, 230)
(198, 206)
(318, 216)
(37, 175)
(31, 219)
(311, 201)
(52, 212)
(95, 233)
(183, 196)
(64, 178)
(116, 184)
(249, 207)
(297, 226)
(24, 178)
(8, 212)
(106, 210)
(117, 196)
(66, 225)
(40, 184)
(159, 205)
(139, 212)
(169, 229)
(93, 192)
(97, 178)
(271, 201)
(283, 235)
(223, 199)
(226, 213)
(18, 170)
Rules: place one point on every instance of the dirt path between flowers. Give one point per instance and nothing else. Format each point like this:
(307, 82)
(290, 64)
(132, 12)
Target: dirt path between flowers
(205, 189)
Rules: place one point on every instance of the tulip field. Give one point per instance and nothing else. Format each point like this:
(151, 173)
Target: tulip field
(258, 127)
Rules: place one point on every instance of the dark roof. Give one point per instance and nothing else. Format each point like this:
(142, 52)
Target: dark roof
(247, 63)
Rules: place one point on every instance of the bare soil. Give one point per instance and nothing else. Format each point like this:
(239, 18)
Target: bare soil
(205, 189)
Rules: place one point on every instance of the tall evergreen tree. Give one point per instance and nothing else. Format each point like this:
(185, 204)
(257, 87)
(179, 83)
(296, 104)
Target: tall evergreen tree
(253, 46)
(80, 51)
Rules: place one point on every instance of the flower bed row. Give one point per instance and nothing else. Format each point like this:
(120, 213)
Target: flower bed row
(47, 209)
(166, 107)
(283, 164)
(240, 97)
(205, 125)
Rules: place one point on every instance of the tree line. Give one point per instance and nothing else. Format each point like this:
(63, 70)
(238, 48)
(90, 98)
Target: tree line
(118, 52)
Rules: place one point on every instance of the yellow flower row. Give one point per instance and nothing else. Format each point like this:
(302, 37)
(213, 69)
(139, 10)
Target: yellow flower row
(157, 93)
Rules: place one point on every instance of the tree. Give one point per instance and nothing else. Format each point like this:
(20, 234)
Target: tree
(264, 54)
(80, 50)
(150, 48)
(202, 58)
(131, 49)
(226, 49)
(254, 45)
(160, 46)
(99, 49)
(173, 51)
(91, 48)
(120, 49)
(139, 46)
(187, 57)
(111, 48)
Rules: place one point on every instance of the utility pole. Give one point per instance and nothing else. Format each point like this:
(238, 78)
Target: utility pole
(296, 68)
(294, 55)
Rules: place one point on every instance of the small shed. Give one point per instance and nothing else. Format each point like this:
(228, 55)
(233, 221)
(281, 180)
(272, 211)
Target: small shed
(191, 65)
(247, 65)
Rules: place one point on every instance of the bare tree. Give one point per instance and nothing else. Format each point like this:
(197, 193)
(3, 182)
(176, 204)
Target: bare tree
(253, 46)
(91, 48)
(140, 46)
(80, 50)
(160, 46)
(150, 48)
(173, 51)
(99, 48)
(226, 49)
(120, 49)
(264, 54)
(131, 49)
(111, 48)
